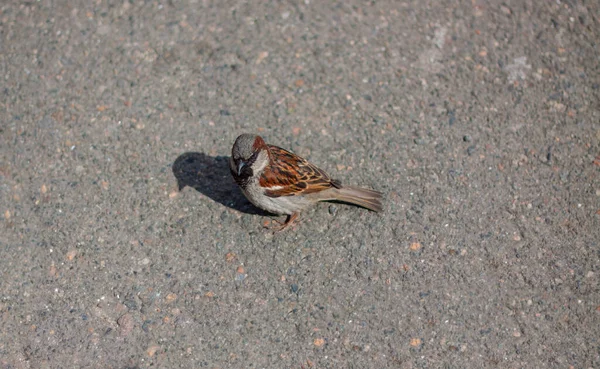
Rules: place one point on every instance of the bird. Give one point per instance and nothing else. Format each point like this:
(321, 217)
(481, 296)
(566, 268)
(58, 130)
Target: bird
(281, 182)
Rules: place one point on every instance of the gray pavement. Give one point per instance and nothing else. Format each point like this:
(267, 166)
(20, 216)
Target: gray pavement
(124, 242)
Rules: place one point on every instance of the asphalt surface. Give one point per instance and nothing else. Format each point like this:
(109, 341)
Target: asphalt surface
(124, 242)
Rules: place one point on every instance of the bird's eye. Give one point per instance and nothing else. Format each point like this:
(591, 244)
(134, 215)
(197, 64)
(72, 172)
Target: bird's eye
(252, 158)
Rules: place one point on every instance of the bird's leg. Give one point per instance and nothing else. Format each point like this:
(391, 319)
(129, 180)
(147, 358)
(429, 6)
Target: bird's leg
(289, 221)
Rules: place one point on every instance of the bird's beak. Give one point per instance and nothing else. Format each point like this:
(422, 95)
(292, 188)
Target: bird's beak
(241, 165)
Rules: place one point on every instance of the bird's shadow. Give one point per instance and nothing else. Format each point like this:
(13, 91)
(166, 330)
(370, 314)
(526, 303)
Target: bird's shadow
(210, 176)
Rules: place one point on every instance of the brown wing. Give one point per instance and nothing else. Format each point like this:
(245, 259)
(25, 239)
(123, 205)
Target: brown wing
(291, 175)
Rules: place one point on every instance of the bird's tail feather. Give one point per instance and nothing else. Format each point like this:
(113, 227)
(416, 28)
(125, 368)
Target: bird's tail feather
(364, 197)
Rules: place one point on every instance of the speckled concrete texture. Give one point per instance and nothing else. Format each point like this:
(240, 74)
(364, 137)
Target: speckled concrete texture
(124, 242)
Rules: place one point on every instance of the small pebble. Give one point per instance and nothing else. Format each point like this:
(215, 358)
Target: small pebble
(294, 287)
(230, 256)
(414, 342)
(467, 138)
(333, 209)
(262, 56)
(152, 350)
(126, 324)
(52, 270)
(71, 255)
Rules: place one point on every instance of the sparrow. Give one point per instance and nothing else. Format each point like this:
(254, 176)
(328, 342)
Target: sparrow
(281, 182)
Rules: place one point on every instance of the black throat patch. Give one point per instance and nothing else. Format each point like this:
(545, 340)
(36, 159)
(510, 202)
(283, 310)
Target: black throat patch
(243, 179)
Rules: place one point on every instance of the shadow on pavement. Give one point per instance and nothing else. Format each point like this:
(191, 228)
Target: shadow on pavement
(210, 176)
